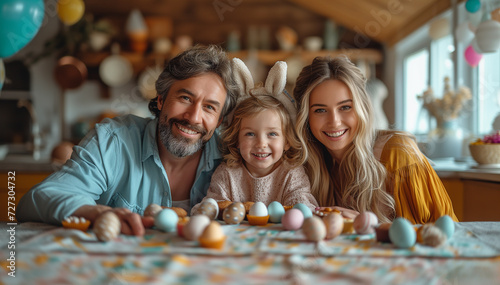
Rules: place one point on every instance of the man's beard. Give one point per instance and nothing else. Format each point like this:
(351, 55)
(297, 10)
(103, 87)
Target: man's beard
(180, 146)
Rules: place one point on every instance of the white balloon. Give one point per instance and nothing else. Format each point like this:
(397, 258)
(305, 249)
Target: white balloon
(488, 36)
(463, 33)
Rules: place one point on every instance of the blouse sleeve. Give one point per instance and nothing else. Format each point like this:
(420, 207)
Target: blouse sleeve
(298, 189)
(418, 192)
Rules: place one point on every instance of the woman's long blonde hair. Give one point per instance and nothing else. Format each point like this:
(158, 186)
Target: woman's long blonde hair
(362, 181)
(251, 106)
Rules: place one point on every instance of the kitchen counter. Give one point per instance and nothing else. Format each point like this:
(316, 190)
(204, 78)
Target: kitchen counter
(25, 164)
(466, 169)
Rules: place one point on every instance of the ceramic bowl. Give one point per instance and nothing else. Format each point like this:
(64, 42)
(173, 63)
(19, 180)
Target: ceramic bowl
(486, 154)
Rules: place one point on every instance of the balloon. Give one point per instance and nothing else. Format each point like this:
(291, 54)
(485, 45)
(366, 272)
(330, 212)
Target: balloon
(439, 28)
(2, 74)
(20, 21)
(70, 11)
(472, 6)
(463, 33)
(495, 15)
(472, 57)
(488, 36)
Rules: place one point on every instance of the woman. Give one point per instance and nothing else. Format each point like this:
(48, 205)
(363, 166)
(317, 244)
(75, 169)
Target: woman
(349, 163)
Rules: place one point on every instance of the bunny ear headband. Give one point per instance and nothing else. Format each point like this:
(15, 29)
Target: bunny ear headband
(274, 85)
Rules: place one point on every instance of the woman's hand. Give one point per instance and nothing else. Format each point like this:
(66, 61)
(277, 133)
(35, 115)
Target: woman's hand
(346, 213)
(131, 223)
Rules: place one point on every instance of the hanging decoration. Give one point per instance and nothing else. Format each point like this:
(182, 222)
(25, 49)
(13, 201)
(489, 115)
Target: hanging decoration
(70, 11)
(20, 21)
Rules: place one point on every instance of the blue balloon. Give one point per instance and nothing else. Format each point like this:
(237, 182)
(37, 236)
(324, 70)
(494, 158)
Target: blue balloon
(472, 6)
(20, 21)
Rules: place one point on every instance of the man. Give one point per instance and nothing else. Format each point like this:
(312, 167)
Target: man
(128, 162)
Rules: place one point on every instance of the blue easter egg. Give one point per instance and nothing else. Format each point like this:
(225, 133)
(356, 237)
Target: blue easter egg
(304, 209)
(402, 234)
(446, 224)
(166, 220)
(276, 211)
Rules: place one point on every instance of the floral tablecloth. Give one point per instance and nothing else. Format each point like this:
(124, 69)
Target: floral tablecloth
(251, 255)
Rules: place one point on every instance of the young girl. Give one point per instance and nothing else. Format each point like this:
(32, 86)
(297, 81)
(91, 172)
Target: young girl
(260, 146)
(350, 164)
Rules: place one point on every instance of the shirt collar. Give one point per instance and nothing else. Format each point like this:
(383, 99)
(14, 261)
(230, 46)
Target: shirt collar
(149, 145)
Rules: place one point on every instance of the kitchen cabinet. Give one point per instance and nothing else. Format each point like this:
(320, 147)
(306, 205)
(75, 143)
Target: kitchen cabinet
(474, 200)
(22, 184)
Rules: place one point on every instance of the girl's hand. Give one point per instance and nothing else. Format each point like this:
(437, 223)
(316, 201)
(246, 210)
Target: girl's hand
(346, 213)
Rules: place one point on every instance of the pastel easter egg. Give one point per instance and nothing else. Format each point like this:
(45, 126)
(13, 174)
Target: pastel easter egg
(431, 235)
(365, 222)
(107, 226)
(208, 209)
(305, 210)
(334, 224)
(276, 212)
(234, 213)
(213, 236)
(195, 227)
(314, 229)
(212, 200)
(152, 209)
(166, 220)
(446, 224)
(258, 209)
(292, 219)
(402, 234)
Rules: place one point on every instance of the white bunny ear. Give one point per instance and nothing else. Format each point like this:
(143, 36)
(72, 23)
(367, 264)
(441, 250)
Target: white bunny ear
(243, 77)
(276, 79)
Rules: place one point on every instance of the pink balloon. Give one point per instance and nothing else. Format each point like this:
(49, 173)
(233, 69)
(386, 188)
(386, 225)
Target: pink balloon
(472, 57)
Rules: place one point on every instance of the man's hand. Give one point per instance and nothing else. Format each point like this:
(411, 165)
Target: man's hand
(131, 223)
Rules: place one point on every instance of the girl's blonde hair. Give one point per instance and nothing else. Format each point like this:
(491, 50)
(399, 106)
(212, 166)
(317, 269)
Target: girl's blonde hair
(362, 180)
(251, 106)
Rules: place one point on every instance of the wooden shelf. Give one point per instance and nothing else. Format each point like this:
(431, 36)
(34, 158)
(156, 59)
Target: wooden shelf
(270, 57)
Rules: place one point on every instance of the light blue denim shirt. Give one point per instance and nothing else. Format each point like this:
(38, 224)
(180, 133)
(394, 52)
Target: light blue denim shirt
(116, 164)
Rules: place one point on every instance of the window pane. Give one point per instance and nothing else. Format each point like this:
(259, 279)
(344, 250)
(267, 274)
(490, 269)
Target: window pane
(416, 76)
(488, 91)
(441, 63)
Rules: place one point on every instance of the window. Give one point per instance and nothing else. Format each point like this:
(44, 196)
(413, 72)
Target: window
(488, 91)
(426, 63)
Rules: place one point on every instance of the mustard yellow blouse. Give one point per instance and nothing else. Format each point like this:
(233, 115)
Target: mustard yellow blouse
(418, 192)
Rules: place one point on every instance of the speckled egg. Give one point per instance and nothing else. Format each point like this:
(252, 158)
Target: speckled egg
(446, 224)
(276, 211)
(212, 200)
(292, 219)
(314, 229)
(334, 224)
(208, 209)
(305, 210)
(107, 226)
(234, 213)
(152, 210)
(365, 222)
(402, 234)
(195, 226)
(258, 209)
(431, 235)
(166, 220)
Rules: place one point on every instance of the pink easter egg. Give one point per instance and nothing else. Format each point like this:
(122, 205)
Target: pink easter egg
(292, 219)
(472, 57)
(365, 222)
